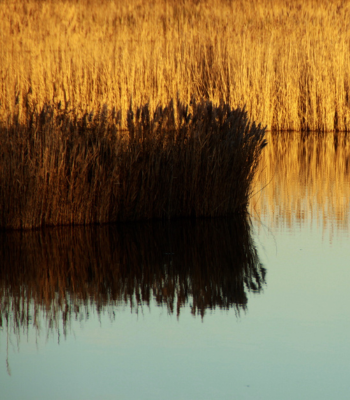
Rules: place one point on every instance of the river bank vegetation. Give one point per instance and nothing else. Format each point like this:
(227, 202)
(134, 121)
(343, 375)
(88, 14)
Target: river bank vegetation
(134, 110)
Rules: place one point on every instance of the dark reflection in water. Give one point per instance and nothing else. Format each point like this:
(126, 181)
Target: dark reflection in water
(65, 273)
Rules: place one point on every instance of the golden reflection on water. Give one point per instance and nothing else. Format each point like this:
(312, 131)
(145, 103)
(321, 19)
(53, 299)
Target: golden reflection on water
(50, 277)
(304, 178)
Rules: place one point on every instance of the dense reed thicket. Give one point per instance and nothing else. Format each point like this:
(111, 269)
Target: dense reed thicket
(56, 169)
(49, 278)
(287, 61)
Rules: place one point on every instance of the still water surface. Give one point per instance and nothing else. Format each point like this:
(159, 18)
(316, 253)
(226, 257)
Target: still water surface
(218, 309)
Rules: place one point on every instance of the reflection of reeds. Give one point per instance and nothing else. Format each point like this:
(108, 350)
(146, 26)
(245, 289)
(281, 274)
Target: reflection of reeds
(305, 178)
(56, 169)
(54, 276)
(288, 61)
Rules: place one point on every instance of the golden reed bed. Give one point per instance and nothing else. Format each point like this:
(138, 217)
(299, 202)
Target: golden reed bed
(287, 61)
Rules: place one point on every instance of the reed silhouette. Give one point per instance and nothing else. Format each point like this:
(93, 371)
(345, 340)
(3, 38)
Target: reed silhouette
(180, 161)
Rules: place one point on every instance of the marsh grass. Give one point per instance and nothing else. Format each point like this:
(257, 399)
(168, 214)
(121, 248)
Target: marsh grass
(57, 169)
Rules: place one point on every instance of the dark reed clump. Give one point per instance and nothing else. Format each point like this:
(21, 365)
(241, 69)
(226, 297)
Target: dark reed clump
(58, 169)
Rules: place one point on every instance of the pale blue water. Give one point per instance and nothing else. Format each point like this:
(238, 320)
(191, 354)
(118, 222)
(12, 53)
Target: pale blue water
(292, 343)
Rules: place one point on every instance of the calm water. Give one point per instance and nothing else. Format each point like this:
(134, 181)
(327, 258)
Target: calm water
(218, 309)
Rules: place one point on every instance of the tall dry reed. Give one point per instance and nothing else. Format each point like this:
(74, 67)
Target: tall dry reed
(287, 61)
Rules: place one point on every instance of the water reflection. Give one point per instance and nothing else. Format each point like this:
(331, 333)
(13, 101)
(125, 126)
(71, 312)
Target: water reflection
(50, 277)
(304, 178)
